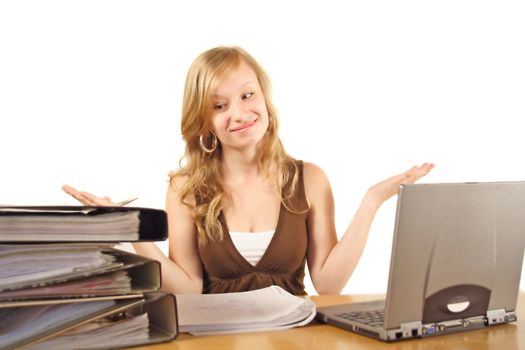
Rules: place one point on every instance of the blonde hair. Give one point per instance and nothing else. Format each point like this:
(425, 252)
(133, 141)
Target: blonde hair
(202, 170)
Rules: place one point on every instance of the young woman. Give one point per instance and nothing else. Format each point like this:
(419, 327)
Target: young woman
(242, 213)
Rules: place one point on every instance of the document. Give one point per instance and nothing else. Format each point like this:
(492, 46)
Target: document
(113, 283)
(270, 308)
(24, 265)
(103, 324)
(21, 323)
(128, 331)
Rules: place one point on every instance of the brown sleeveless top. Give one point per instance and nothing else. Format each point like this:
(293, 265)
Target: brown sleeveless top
(226, 270)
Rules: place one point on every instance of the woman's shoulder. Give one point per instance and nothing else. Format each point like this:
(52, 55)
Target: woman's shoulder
(308, 168)
(177, 188)
(178, 178)
(315, 178)
(313, 172)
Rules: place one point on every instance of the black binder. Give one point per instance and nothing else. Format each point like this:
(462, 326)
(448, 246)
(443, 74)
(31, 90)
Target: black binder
(32, 224)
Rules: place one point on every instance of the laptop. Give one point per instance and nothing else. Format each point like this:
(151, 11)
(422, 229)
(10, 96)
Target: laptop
(455, 265)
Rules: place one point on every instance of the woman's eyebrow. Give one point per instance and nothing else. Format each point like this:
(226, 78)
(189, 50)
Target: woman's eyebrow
(240, 88)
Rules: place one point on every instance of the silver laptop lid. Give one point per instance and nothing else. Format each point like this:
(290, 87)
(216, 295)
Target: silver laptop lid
(458, 251)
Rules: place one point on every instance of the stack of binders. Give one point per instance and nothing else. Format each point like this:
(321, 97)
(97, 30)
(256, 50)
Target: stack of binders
(64, 285)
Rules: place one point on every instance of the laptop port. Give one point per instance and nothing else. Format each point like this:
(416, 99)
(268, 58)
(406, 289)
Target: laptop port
(399, 335)
(429, 330)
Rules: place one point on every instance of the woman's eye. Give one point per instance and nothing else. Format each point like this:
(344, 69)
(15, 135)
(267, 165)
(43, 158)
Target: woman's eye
(247, 95)
(219, 106)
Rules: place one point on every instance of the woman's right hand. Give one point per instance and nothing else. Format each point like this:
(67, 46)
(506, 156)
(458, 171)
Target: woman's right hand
(89, 199)
(390, 187)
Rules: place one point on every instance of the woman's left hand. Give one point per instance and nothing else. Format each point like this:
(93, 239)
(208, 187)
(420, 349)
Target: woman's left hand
(87, 198)
(390, 187)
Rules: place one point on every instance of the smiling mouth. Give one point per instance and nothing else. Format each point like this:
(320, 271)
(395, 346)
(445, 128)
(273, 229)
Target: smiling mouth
(245, 126)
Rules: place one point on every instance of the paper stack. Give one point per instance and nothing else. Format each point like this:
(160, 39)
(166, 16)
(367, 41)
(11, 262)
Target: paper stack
(270, 308)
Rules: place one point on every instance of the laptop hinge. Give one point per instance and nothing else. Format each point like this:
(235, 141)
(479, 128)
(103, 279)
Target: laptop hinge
(500, 316)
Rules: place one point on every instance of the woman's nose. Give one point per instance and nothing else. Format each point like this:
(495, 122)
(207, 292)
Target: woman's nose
(237, 112)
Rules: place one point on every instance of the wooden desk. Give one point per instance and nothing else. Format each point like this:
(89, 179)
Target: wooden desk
(320, 336)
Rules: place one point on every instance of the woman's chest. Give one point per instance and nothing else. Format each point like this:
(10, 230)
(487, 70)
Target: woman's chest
(252, 210)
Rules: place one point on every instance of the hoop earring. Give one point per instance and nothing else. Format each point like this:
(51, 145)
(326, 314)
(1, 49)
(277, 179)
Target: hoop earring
(213, 144)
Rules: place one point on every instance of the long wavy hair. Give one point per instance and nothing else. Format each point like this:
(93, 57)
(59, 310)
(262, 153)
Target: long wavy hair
(203, 170)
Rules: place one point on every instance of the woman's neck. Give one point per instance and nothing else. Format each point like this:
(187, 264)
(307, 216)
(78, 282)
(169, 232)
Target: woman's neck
(239, 166)
(243, 167)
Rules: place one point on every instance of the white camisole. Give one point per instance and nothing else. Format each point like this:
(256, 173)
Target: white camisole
(252, 245)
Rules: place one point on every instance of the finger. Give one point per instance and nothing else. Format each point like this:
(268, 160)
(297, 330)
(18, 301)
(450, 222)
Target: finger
(70, 190)
(403, 177)
(100, 201)
(421, 171)
(76, 194)
(104, 201)
(408, 176)
(424, 169)
(79, 197)
(91, 198)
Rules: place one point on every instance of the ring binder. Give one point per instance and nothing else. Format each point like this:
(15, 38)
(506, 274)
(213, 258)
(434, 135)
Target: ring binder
(30, 224)
(160, 308)
(144, 275)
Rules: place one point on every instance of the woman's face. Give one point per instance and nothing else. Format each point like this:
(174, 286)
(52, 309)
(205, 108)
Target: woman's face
(240, 116)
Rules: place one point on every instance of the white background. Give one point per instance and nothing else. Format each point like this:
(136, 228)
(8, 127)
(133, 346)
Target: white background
(90, 94)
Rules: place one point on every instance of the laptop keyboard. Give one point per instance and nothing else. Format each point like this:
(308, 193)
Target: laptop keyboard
(371, 318)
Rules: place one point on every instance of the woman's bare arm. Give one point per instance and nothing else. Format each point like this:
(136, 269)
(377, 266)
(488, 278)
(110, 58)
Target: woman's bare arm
(181, 271)
(332, 262)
